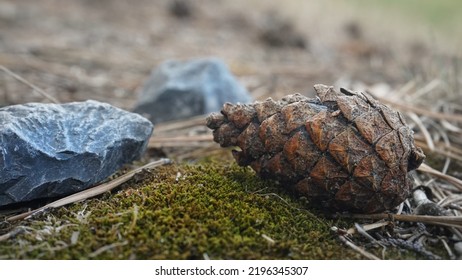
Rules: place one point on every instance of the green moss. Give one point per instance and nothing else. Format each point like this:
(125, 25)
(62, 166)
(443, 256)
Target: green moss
(214, 210)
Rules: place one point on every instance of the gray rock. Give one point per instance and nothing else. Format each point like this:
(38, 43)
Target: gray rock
(50, 150)
(178, 90)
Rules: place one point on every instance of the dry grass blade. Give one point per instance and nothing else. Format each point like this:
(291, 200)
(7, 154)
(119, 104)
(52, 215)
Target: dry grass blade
(34, 87)
(454, 181)
(97, 190)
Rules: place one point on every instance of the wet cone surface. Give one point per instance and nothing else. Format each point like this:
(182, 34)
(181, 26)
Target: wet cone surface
(343, 151)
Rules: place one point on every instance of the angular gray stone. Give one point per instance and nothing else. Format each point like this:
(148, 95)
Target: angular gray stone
(182, 89)
(50, 150)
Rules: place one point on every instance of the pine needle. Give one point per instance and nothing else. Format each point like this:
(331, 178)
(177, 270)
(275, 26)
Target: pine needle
(358, 249)
(181, 124)
(34, 87)
(180, 141)
(453, 180)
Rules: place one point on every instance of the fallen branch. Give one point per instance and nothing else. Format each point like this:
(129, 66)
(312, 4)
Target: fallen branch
(92, 192)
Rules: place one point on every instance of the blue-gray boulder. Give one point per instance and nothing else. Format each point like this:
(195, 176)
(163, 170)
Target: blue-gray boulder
(51, 150)
(182, 89)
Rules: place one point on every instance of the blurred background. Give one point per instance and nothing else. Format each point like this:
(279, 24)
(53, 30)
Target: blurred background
(105, 50)
(407, 53)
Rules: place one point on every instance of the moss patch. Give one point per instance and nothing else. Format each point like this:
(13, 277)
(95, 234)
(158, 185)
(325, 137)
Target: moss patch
(211, 210)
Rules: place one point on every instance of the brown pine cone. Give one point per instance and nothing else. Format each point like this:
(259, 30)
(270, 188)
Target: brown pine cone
(343, 151)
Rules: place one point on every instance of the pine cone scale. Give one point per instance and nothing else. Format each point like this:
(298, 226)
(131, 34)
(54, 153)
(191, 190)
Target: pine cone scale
(372, 126)
(300, 153)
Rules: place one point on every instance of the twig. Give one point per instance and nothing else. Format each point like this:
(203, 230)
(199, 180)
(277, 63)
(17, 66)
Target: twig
(448, 221)
(100, 189)
(34, 87)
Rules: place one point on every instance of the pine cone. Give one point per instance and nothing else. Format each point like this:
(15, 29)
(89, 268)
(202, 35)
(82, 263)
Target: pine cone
(343, 151)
